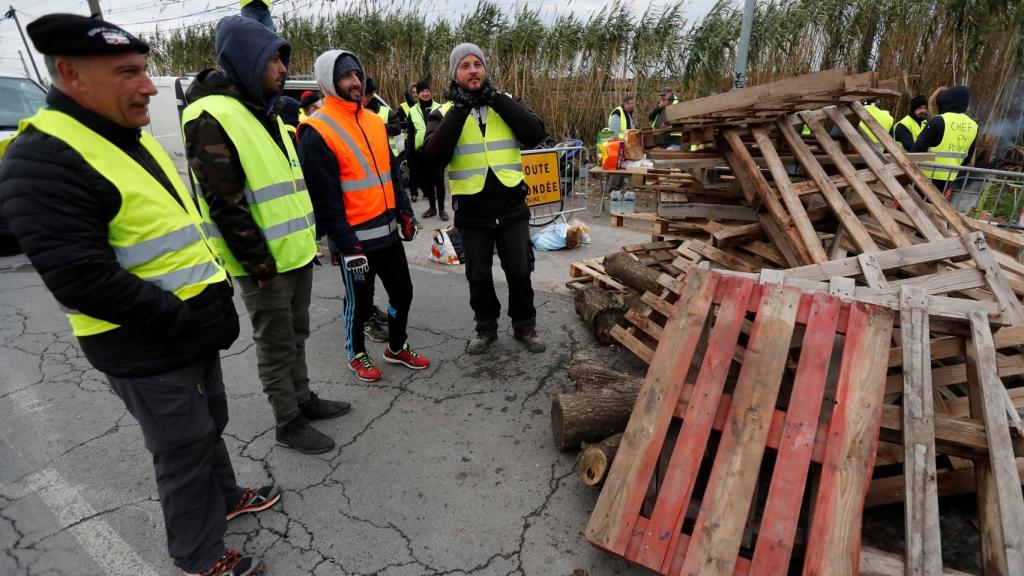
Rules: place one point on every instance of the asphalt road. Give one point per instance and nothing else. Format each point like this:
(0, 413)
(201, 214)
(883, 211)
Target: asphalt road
(449, 470)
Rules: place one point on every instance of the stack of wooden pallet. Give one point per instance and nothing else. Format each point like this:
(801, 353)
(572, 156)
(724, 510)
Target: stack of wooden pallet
(851, 231)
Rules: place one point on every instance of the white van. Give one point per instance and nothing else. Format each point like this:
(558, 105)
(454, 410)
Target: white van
(166, 107)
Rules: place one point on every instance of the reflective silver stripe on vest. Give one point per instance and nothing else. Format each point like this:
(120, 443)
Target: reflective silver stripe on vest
(364, 183)
(285, 228)
(274, 191)
(466, 174)
(211, 230)
(147, 250)
(363, 163)
(172, 281)
(469, 149)
(374, 233)
(956, 155)
(516, 167)
(502, 145)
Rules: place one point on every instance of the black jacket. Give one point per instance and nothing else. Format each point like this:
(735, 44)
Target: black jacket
(59, 208)
(497, 204)
(955, 99)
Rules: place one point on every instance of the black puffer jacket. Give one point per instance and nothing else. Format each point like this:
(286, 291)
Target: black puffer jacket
(59, 209)
(496, 205)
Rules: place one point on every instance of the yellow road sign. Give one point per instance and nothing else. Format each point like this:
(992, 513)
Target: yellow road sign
(541, 174)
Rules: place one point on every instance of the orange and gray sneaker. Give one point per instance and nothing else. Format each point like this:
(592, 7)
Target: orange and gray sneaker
(406, 356)
(364, 368)
(255, 500)
(232, 564)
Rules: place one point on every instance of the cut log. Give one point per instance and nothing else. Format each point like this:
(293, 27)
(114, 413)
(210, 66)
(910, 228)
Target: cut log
(631, 272)
(595, 459)
(589, 416)
(599, 311)
(590, 375)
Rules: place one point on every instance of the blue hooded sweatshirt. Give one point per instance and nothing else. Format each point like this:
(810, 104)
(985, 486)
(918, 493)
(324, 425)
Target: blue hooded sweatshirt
(244, 47)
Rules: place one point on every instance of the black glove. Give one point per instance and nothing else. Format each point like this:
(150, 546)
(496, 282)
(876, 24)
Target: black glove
(462, 98)
(487, 93)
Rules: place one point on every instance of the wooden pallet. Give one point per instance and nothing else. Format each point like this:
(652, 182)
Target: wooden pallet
(691, 531)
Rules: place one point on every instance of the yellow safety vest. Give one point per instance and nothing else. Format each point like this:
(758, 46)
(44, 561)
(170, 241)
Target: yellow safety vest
(4, 144)
(957, 136)
(274, 186)
(153, 237)
(882, 117)
(384, 112)
(420, 122)
(476, 153)
(405, 107)
(621, 134)
(911, 124)
(245, 3)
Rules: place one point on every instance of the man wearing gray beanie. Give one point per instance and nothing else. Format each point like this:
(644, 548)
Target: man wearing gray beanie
(478, 135)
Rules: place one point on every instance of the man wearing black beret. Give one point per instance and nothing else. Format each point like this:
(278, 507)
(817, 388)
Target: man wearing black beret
(99, 209)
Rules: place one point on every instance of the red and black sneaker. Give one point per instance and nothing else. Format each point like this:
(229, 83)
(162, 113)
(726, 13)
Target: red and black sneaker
(256, 500)
(364, 368)
(406, 356)
(233, 564)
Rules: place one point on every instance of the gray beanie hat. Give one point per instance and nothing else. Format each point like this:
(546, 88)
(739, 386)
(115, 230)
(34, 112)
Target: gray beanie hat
(460, 52)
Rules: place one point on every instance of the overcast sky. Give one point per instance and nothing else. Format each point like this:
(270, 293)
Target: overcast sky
(140, 16)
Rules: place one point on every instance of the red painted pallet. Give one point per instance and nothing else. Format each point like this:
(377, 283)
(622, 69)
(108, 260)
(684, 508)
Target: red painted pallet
(721, 430)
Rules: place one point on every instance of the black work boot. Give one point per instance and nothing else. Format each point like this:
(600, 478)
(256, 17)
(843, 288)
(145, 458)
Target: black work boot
(482, 341)
(430, 213)
(316, 408)
(298, 435)
(530, 341)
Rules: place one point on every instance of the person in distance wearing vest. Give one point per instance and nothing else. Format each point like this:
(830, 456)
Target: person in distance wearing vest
(254, 198)
(427, 176)
(882, 116)
(359, 201)
(950, 136)
(478, 135)
(620, 120)
(258, 10)
(100, 211)
(909, 127)
(666, 97)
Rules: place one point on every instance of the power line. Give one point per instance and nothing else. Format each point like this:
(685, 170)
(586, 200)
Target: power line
(199, 13)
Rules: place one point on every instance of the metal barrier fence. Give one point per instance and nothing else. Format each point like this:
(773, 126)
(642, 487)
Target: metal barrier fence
(573, 183)
(995, 196)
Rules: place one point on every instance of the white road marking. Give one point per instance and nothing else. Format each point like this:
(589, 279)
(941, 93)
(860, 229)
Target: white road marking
(97, 538)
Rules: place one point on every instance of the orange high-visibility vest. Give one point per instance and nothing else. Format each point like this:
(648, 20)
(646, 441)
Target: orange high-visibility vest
(359, 140)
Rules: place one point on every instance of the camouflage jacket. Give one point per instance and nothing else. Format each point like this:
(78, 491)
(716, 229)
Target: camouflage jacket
(214, 161)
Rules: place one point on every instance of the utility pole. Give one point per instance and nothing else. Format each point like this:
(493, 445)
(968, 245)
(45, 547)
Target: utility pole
(94, 9)
(12, 14)
(740, 71)
(23, 65)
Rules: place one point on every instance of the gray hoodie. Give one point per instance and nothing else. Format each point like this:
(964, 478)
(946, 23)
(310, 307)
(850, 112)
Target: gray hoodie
(323, 70)
(244, 47)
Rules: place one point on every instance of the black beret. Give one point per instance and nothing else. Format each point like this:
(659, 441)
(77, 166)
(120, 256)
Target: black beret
(423, 85)
(75, 35)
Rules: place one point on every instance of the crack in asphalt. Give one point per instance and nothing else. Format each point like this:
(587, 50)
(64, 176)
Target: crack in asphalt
(60, 360)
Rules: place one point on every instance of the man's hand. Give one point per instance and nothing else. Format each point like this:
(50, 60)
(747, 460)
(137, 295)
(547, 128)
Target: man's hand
(487, 92)
(662, 102)
(357, 264)
(463, 98)
(407, 229)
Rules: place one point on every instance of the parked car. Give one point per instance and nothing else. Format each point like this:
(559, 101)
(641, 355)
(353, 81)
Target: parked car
(19, 98)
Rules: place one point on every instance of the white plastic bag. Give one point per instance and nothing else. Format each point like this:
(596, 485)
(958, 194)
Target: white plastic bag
(442, 250)
(550, 237)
